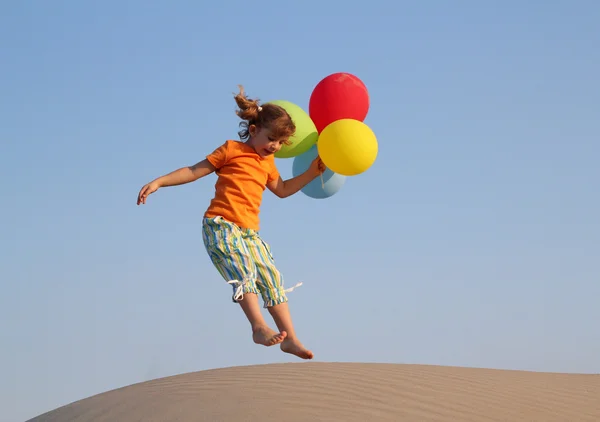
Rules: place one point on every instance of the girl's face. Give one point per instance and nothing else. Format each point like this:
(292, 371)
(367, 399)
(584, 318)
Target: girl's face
(263, 142)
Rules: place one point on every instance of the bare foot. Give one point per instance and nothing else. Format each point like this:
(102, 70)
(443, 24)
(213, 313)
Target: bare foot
(267, 337)
(294, 347)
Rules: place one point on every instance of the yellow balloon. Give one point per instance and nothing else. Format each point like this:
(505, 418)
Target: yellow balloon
(347, 146)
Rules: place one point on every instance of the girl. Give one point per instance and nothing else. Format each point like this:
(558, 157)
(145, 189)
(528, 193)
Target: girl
(230, 224)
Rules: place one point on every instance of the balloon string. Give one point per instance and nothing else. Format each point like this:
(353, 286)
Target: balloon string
(322, 182)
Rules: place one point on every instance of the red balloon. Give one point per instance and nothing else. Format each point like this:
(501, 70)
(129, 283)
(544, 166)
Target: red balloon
(338, 96)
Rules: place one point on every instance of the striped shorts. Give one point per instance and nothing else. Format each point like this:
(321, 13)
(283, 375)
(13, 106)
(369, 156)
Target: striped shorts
(244, 260)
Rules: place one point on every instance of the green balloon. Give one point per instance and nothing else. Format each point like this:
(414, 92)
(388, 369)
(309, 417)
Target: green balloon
(306, 132)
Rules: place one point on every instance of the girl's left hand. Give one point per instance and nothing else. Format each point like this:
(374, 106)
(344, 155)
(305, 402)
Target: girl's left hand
(317, 166)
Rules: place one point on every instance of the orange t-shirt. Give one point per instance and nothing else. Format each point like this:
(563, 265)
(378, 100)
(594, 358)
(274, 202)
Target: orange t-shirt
(242, 178)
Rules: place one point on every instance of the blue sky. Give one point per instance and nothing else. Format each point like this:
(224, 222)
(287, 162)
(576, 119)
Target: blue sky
(473, 240)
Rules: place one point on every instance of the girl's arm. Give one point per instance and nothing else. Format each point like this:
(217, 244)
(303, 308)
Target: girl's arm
(178, 177)
(185, 174)
(286, 188)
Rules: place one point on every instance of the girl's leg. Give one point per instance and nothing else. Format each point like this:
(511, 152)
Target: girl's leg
(261, 332)
(291, 344)
(229, 254)
(270, 283)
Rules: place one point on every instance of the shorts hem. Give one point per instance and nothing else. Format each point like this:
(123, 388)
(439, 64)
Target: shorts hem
(269, 303)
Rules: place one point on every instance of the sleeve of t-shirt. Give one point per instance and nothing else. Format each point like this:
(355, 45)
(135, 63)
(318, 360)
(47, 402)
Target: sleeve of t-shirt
(274, 173)
(218, 157)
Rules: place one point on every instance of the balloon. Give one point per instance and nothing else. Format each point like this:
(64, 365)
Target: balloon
(306, 133)
(348, 147)
(338, 96)
(331, 184)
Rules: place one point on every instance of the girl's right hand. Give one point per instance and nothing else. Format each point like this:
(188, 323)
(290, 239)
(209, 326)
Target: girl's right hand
(145, 191)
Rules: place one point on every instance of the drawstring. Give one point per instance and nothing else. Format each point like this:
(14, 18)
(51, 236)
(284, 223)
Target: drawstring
(293, 287)
(239, 291)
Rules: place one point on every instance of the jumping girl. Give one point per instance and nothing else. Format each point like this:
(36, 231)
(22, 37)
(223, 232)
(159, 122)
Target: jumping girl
(230, 224)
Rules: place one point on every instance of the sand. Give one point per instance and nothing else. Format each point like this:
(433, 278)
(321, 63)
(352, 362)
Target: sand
(341, 392)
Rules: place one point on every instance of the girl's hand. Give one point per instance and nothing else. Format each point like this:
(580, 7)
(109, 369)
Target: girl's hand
(145, 191)
(317, 167)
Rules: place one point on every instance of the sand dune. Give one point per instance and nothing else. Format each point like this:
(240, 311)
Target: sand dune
(345, 392)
